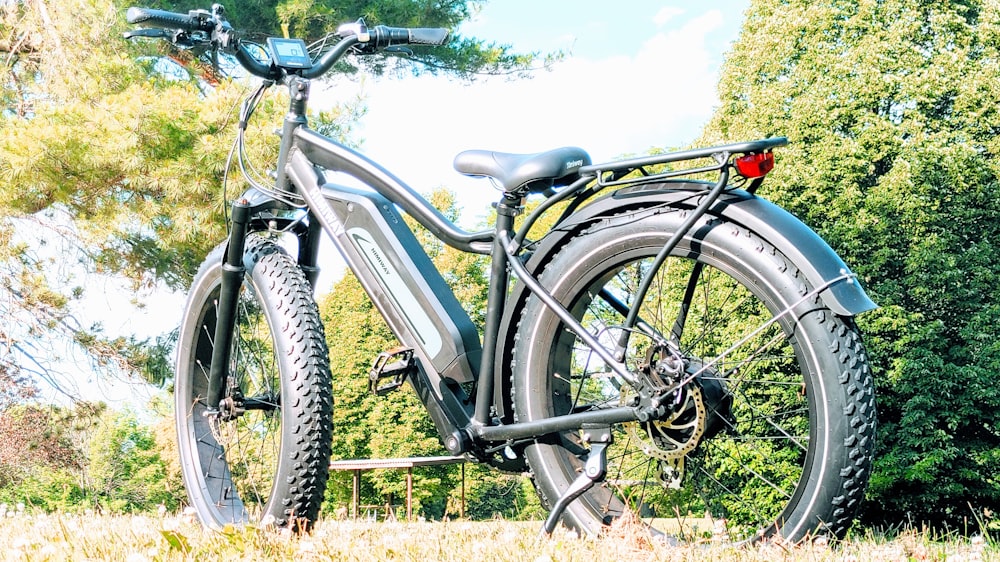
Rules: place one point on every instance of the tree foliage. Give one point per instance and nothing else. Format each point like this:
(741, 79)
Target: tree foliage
(492, 495)
(55, 458)
(41, 459)
(127, 472)
(124, 166)
(34, 437)
(122, 171)
(892, 108)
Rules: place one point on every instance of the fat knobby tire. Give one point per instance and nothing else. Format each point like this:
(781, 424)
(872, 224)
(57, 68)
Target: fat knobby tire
(296, 473)
(827, 350)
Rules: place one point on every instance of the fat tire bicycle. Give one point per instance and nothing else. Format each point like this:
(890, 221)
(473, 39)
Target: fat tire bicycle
(670, 345)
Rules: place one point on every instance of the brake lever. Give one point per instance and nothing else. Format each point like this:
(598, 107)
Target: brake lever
(155, 33)
(398, 50)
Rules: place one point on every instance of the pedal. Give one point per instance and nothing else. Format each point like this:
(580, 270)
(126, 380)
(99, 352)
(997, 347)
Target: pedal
(393, 365)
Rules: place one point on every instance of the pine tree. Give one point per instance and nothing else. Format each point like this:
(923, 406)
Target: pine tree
(108, 167)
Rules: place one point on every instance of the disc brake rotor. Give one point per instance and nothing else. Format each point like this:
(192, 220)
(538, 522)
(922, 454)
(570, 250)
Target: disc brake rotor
(670, 439)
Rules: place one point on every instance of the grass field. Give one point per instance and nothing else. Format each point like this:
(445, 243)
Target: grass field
(151, 538)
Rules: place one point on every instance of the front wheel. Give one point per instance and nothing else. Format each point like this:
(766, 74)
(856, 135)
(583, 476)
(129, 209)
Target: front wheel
(266, 457)
(770, 435)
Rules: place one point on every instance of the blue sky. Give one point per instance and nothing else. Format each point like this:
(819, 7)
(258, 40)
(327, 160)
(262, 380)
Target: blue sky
(590, 27)
(641, 77)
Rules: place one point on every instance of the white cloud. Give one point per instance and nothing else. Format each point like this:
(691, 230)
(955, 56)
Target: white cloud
(666, 14)
(659, 96)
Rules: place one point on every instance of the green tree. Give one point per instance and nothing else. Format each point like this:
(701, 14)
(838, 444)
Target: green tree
(125, 167)
(55, 458)
(125, 469)
(42, 457)
(491, 494)
(121, 171)
(891, 107)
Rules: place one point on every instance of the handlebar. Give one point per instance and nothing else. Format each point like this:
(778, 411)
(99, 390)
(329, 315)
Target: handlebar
(210, 28)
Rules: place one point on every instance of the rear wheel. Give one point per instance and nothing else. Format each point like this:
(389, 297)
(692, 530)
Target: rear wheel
(266, 456)
(770, 435)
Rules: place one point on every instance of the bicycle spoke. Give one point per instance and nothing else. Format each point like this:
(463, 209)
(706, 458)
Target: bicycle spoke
(767, 405)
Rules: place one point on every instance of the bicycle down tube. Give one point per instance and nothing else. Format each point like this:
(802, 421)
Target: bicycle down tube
(420, 309)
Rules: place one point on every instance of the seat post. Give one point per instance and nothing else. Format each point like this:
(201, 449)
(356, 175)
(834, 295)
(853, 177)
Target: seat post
(508, 208)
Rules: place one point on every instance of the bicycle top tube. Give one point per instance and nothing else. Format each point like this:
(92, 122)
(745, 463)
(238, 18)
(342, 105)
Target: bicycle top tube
(334, 156)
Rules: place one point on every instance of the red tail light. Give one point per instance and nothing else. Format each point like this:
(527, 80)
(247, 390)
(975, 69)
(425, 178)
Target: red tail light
(755, 165)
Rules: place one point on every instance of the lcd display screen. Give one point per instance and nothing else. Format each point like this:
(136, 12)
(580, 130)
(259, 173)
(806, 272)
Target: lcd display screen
(289, 53)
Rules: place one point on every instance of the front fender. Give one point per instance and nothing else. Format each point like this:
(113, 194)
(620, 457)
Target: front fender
(804, 248)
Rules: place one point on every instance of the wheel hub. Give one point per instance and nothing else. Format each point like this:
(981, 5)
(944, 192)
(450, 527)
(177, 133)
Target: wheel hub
(701, 408)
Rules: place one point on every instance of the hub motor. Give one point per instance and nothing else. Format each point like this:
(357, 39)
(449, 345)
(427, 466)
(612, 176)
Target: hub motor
(701, 409)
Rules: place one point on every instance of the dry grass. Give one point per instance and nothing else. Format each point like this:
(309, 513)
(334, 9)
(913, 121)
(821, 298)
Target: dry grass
(150, 538)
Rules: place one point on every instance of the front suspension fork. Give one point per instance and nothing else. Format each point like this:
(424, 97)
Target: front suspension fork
(232, 280)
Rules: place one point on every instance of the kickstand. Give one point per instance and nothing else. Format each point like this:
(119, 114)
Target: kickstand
(599, 437)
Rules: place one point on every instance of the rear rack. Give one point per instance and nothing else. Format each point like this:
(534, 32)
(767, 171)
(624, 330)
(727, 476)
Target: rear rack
(611, 173)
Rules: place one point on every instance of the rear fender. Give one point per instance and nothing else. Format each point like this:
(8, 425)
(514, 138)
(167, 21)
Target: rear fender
(803, 247)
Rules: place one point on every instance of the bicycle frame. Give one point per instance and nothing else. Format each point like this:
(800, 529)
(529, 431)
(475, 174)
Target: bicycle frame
(409, 292)
(394, 270)
(769, 361)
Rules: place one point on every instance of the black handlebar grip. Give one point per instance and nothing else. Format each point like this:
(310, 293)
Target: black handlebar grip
(389, 36)
(428, 36)
(165, 19)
